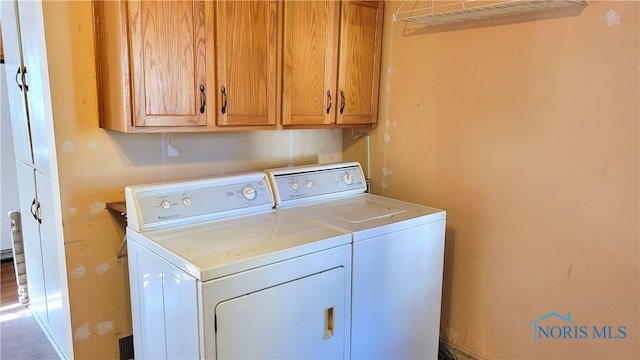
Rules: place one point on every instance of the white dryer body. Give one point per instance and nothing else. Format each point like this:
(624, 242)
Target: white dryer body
(222, 275)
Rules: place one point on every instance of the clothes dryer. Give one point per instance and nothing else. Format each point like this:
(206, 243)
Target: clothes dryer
(398, 250)
(216, 273)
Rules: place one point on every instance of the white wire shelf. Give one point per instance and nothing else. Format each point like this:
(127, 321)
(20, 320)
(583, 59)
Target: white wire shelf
(447, 12)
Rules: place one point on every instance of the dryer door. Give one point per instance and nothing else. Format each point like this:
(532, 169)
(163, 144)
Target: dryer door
(300, 319)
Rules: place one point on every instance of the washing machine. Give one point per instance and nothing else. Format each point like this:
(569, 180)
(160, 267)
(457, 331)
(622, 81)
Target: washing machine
(398, 251)
(215, 272)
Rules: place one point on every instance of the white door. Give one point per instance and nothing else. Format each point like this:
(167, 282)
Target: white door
(31, 239)
(301, 319)
(58, 322)
(34, 55)
(42, 253)
(15, 87)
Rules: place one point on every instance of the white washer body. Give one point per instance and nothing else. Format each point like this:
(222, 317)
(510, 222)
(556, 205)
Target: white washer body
(398, 251)
(256, 284)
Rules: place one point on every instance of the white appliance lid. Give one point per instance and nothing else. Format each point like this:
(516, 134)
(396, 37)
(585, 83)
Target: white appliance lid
(358, 210)
(367, 215)
(222, 247)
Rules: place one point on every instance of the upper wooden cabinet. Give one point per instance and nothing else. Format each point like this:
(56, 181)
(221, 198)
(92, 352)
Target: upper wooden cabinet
(237, 65)
(151, 59)
(162, 65)
(331, 63)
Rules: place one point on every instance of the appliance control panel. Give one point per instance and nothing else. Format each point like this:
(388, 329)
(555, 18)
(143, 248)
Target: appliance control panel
(157, 205)
(300, 184)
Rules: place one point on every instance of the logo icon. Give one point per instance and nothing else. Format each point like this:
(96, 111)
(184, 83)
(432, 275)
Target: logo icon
(548, 331)
(556, 326)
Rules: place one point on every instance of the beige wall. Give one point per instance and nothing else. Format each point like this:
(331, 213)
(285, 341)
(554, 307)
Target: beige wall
(95, 165)
(527, 134)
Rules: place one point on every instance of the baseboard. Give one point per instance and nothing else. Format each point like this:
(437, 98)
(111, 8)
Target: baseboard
(460, 354)
(6, 254)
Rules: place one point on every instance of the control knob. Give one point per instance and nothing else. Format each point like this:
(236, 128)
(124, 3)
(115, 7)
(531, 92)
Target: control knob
(347, 178)
(249, 193)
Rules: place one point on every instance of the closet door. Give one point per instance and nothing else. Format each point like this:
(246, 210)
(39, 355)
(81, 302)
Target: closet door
(31, 213)
(38, 93)
(16, 77)
(52, 261)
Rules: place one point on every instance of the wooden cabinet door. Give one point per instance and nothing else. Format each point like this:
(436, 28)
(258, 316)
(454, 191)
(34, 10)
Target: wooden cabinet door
(359, 68)
(310, 62)
(246, 48)
(168, 62)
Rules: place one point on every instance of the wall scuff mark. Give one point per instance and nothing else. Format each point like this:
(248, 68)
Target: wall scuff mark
(102, 268)
(68, 147)
(79, 272)
(97, 207)
(387, 87)
(613, 18)
(82, 332)
(104, 327)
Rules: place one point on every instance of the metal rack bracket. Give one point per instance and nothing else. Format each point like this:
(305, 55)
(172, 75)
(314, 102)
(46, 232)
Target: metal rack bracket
(448, 12)
(121, 208)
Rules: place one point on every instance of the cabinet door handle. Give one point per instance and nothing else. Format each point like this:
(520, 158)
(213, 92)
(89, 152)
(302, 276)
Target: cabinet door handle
(20, 86)
(33, 212)
(224, 99)
(204, 99)
(343, 102)
(36, 213)
(21, 71)
(329, 101)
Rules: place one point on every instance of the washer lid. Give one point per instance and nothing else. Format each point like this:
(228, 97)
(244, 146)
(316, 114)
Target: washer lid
(222, 247)
(359, 210)
(367, 215)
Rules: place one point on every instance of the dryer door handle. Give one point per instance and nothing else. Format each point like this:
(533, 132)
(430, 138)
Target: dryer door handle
(328, 322)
